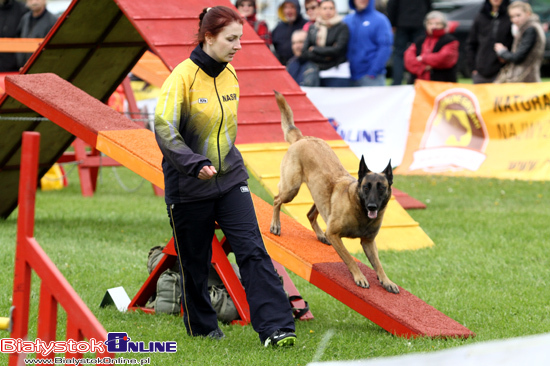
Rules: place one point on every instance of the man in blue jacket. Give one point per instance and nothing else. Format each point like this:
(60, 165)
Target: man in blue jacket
(370, 43)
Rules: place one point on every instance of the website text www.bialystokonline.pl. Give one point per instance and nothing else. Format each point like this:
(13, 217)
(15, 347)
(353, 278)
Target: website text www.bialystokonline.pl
(89, 361)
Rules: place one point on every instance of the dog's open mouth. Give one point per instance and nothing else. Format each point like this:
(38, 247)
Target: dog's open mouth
(373, 214)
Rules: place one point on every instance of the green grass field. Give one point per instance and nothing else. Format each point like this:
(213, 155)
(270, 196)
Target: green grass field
(488, 269)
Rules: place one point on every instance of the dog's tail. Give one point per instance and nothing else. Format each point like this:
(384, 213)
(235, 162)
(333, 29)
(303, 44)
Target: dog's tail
(292, 133)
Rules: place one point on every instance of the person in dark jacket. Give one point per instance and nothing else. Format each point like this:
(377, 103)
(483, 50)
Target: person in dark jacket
(11, 12)
(35, 24)
(434, 55)
(290, 20)
(524, 59)
(407, 20)
(326, 46)
(205, 183)
(304, 72)
(492, 25)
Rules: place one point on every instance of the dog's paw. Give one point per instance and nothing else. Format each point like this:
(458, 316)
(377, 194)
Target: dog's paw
(324, 240)
(362, 282)
(390, 287)
(275, 229)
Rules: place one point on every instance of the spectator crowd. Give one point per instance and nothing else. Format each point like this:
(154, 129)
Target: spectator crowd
(320, 47)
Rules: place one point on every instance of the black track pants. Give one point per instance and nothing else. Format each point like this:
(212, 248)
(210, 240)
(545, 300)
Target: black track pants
(193, 230)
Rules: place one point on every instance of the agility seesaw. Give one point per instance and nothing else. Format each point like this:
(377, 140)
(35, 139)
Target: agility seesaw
(297, 249)
(126, 142)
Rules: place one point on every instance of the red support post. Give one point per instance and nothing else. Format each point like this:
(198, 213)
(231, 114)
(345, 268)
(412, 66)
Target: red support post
(28, 181)
(47, 318)
(87, 174)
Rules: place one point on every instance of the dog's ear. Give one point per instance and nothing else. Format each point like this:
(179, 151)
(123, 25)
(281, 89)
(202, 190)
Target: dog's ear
(363, 170)
(389, 173)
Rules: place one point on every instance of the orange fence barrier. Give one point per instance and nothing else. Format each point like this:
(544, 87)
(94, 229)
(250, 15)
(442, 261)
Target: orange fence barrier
(54, 288)
(27, 45)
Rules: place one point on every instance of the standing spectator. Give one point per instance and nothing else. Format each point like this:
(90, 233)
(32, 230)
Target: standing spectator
(35, 24)
(492, 25)
(11, 12)
(370, 43)
(247, 8)
(523, 61)
(304, 72)
(407, 20)
(312, 11)
(434, 55)
(326, 46)
(290, 20)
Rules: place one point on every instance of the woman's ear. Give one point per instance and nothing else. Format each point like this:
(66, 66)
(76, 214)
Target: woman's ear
(208, 38)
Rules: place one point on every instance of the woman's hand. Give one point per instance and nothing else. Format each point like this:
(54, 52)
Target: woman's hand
(207, 172)
(499, 47)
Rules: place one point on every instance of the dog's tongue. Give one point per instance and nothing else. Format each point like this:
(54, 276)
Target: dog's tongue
(373, 214)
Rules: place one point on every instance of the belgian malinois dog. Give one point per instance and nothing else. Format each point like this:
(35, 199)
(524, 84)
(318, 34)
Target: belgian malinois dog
(351, 208)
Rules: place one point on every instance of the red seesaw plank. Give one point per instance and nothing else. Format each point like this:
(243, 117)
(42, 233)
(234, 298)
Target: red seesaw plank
(401, 314)
(70, 107)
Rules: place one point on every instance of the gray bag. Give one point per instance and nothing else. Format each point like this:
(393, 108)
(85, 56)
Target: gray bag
(219, 296)
(168, 299)
(168, 295)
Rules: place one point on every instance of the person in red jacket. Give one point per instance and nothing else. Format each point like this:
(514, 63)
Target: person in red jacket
(247, 9)
(434, 55)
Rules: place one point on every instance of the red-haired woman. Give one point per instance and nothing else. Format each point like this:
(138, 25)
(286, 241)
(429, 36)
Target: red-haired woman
(206, 182)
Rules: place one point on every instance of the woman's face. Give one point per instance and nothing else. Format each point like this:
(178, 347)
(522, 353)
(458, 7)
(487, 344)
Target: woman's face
(433, 24)
(290, 12)
(327, 10)
(246, 9)
(518, 16)
(225, 45)
(312, 9)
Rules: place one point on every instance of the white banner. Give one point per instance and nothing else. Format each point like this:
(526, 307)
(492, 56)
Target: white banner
(374, 121)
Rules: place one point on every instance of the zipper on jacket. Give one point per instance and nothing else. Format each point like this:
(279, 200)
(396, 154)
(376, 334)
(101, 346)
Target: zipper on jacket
(218, 140)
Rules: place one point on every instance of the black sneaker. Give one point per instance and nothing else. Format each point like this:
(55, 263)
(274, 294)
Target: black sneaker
(281, 338)
(216, 334)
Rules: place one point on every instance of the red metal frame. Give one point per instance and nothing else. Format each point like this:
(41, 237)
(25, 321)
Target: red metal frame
(220, 250)
(54, 288)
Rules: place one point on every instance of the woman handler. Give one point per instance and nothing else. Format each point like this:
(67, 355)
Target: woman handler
(205, 182)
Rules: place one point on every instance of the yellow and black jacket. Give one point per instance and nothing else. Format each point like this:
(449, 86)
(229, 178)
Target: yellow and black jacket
(196, 125)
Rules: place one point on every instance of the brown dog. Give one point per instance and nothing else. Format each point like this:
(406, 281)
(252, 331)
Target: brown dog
(351, 208)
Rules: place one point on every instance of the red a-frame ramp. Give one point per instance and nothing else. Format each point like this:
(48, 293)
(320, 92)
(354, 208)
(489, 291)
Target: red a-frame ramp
(97, 42)
(297, 249)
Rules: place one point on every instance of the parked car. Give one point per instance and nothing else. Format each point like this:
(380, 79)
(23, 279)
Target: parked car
(461, 15)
